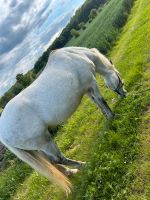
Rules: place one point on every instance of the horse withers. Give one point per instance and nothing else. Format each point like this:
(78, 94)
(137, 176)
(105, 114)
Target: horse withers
(49, 101)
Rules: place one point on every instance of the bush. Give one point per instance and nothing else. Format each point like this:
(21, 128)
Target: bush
(93, 14)
(74, 33)
(82, 26)
(6, 98)
(17, 88)
(90, 20)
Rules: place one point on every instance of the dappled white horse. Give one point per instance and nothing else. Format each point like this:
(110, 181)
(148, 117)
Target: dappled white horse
(49, 101)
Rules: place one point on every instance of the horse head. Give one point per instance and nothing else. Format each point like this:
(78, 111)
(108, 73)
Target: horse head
(114, 82)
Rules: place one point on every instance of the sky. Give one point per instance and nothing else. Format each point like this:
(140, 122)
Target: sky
(27, 28)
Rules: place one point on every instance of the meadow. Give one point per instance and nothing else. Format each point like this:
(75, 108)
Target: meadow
(117, 152)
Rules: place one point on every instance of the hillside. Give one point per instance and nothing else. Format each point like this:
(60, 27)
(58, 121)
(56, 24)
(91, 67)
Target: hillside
(111, 149)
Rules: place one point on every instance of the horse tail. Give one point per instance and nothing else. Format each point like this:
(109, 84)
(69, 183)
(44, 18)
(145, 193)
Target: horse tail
(43, 166)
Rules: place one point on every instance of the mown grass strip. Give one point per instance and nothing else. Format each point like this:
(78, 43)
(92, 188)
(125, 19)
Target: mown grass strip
(140, 189)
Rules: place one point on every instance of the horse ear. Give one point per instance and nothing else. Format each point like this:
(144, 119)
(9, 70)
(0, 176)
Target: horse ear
(111, 61)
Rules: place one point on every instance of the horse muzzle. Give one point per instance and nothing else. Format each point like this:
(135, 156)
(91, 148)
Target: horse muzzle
(122, 93)
(122, 96)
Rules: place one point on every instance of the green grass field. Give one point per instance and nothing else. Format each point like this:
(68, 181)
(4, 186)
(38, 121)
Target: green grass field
(111, 149)
(103, 30)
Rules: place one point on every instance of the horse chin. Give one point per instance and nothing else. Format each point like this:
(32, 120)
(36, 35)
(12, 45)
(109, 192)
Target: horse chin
(122, 96)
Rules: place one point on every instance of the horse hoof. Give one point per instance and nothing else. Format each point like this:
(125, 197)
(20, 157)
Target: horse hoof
(79, 164)
(82, 164)
(71, 172)
(111, 117)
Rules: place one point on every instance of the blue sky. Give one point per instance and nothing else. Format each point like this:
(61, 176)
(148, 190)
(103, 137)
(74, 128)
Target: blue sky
(27, 28)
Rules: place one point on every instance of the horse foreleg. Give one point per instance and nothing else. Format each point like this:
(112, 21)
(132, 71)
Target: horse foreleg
(97, 98)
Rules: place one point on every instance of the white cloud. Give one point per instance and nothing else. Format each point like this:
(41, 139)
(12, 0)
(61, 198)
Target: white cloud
(27, 28)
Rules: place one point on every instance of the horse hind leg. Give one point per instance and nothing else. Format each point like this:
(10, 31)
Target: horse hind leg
(53, 153)
(63, 169)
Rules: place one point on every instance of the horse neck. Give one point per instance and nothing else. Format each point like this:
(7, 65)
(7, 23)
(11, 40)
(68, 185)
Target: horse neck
(104, 68)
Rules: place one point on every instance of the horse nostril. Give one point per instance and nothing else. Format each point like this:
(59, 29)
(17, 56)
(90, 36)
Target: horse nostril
(123, 96)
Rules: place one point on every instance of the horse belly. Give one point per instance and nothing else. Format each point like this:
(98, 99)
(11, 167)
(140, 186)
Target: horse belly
(61, 111)
(65, 111)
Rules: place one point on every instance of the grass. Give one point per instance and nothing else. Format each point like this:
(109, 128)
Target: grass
(12, 177)
(103, 30)
(111, 149)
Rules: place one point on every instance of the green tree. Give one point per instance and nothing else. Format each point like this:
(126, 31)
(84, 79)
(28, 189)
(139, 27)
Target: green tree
(40, 64)
(19, 77)
(17, 88)
(6, 98)
(24, 80)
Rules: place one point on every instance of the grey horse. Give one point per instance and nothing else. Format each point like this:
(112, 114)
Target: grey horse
(49, 101)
